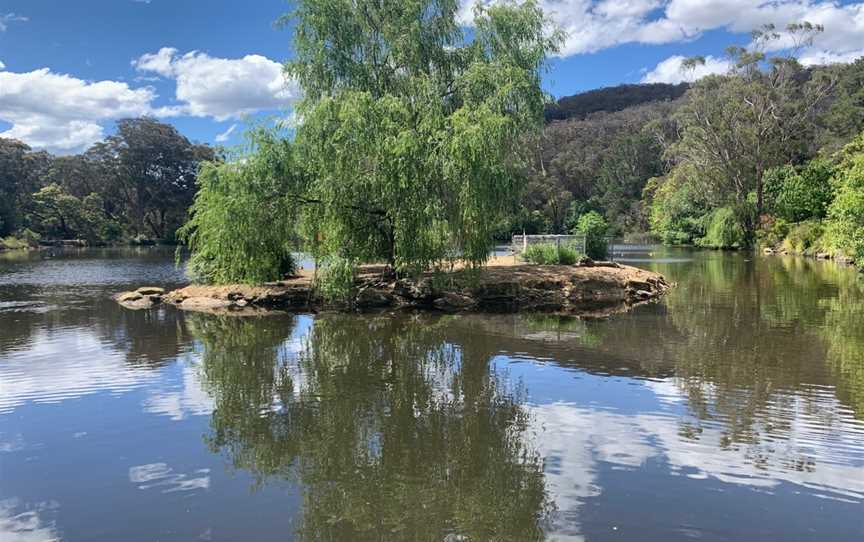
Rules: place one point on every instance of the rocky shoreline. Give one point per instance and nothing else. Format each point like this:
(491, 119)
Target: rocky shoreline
(588, 288)
(839, 258)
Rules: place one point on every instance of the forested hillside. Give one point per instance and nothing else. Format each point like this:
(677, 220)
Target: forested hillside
(717, 163)
(612, 99)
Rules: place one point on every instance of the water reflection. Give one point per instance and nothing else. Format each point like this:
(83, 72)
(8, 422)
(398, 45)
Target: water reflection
(741, 393)
(20, 523)
(392, 431)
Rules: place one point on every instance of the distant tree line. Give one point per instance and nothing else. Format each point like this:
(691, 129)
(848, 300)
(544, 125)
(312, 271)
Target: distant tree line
(612, 99)
(137, 184)
(712, 163)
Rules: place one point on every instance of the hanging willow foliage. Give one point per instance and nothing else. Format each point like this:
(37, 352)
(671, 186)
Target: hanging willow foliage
(242, 221)
(409, 149)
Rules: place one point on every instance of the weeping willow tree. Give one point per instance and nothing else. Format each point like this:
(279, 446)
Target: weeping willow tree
(409, 146)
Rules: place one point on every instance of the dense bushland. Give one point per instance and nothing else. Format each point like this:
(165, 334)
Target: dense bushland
(137, 184)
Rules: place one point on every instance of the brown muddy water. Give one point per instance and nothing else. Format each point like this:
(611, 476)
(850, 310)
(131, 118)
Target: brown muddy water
(731, 410)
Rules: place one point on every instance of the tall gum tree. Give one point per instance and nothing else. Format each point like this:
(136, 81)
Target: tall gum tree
(732, 128)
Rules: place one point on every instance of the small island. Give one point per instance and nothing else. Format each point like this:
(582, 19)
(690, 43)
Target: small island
(587, 288)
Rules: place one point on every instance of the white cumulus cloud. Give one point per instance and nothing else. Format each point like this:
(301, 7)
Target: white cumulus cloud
(671, 70)
(221, 88)
(594, 25)
(62, 113)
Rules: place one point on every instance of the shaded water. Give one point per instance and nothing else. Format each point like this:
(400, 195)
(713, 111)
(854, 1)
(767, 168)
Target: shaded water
(732, 410)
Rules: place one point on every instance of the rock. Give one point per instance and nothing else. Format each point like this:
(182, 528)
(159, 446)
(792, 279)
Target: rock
(593, 287)
(452, 302)
(640, 285)
(127, 297)
(643, 294)
(823, 256)
(372, 298)
(143, 303)
(150, 290)
(204, 304)
(768, 250)
(414, 291)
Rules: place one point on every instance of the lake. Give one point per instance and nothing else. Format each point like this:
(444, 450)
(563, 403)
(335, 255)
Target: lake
(731, 410)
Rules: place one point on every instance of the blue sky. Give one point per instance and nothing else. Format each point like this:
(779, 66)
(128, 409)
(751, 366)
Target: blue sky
(69, 69)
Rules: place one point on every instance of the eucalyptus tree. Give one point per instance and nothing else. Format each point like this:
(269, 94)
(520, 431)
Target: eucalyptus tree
(735, 127)
(21, 173)
(411, 134)
(151, 169)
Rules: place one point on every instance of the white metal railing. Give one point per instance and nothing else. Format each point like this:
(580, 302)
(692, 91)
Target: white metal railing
(521, 242)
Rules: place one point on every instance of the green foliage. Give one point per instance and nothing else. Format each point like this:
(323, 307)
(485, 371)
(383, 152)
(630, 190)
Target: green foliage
(772, 233)
(600, 163)
(138, 181)
(411, 140)
(551, 254)
(55, 213)
(723, 230)
(676, 208)
(796, 194)
(593, 226)
(13, 243)
(845, 118)
(845, 229)
(151, 174)
(338, 280)
(804, 238)
(21, 170)
(241, 224)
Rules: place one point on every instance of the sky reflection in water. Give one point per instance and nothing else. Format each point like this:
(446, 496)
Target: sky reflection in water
(731, 410)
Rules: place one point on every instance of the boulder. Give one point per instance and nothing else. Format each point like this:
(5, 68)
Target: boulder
(150, 290)
(204, 304)
(372, 298)
(128, 297)
(453, 302)
(414, 291)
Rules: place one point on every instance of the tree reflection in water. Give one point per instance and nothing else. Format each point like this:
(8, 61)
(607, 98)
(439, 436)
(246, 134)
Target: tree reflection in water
(391, 430)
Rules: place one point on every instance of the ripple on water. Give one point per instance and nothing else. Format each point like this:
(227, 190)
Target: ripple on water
(66, 364)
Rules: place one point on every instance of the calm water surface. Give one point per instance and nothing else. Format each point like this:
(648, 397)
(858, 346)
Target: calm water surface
(730, 411)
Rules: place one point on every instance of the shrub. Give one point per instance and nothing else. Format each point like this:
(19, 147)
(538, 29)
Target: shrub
(675, 208)
(593, 226)
(30, 237)
(551, 254)
(804, 238)
(723, 230)
(845, 231)
(12, 243)
(796, 194)
(773, 232)
(337, 280)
